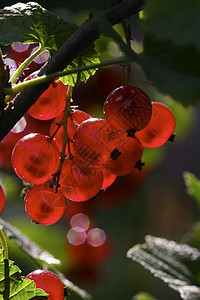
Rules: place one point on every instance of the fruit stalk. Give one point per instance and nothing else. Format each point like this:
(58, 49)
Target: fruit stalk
(24, 85)
(127, 34)
(66, 138)
(22, 67)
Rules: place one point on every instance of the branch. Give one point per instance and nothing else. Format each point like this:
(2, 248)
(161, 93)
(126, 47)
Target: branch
(87, 33)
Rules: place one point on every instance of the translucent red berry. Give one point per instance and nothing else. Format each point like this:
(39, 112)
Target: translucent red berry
(44, 204)
(24, 126)
(160, 127)
(130, 152)
(80, 182)
(35, 158)
(51, 103)
(49, 282)
(2, 199)
(93, 141)
(128, 108)
(108, 178)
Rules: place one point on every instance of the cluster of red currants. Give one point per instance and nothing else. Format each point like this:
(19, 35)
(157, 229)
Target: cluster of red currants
(98, 150)
(78, 155)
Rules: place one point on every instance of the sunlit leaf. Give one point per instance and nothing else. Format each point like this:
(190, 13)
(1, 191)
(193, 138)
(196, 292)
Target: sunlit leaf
(86, 58)
(169, 261)
(16, 286)
(31, 23)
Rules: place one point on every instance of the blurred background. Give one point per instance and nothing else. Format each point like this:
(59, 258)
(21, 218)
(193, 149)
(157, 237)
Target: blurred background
(152, 201)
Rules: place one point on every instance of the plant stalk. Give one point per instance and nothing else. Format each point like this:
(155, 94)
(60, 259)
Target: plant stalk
(25, 63)
(22, 86)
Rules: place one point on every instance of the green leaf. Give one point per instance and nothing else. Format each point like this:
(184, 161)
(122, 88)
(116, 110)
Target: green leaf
(175, 20)
(143, 296)
(12, 281)
(86, 58)
(27, 245)
(25, 289)
(169, 261)
(173, 70)
(193, 186)
(31, 23)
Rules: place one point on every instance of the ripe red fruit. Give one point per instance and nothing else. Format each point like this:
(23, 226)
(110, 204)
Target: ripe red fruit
(108, 178)
(51, 103)
(80, 182)
(93, 141)
(2, 199)
(35, 158)
(49, 282)
(128, 108)
(130, 150)
(44, 205)
(160, 127)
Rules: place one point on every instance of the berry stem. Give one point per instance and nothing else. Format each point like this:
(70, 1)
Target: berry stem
(66, 138)
(22, 67)
(55, 132)
(22, 86)
(6, 292)
(127, 34)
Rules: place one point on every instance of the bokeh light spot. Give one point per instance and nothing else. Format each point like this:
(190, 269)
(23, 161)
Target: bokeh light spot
(96, 237)
(76, 236)
(80, 220)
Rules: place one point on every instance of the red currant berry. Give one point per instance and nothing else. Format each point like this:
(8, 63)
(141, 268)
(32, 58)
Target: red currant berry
(49, 282)
(159, 129)
(35, 158)
(2, 199)
(108, 178)
(51, 103)
(80, 182)
(130, 152)
(128, 108)
(44, 204)
(93, 141)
